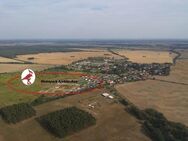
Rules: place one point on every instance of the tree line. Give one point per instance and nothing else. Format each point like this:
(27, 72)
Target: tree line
(154, 123)
(157, 127)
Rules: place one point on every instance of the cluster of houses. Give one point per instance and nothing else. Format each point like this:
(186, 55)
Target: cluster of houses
(84, 83)
(115, 71)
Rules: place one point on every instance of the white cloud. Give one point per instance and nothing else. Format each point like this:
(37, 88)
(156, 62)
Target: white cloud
(93, 18)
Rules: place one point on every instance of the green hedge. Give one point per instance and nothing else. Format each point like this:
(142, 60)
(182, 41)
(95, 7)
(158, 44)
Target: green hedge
(61, 68)
(67, 121)
(44, 99)
(17, 112)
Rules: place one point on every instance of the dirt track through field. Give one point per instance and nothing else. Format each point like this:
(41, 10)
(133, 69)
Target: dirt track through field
(173, 82)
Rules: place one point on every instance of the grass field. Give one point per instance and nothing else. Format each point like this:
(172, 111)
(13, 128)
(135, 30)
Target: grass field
(113, 122)
(7, 96)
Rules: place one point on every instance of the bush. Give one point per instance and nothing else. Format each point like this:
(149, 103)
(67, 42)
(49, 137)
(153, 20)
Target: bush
(67, 121)
(17, 112)
(61, 68)
(44, 99)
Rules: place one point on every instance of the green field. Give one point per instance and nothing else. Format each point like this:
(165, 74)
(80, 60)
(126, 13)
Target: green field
(9, 96)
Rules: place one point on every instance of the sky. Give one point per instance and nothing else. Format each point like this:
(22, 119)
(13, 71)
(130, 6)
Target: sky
(93, 19)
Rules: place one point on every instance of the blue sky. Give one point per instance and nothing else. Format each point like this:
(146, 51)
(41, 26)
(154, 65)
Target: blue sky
(93, 19)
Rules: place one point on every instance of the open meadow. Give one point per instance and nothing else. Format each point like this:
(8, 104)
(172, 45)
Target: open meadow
(10, 90)
(8, 96)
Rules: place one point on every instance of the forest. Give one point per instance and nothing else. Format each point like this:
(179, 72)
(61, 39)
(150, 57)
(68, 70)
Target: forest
(66, 121)
(17, 112)
(157, 127)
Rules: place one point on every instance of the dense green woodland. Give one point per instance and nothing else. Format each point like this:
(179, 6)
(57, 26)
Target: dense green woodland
(17, 112)
(157, 127)
(66, 121)
(12, 51)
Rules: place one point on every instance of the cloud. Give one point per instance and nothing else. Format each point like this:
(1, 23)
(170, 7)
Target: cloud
(93, 19)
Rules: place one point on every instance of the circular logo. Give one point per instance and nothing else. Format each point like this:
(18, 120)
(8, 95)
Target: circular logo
(28, 77)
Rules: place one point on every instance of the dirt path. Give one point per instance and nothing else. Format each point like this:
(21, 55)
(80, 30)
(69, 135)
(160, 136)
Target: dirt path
(173, 82)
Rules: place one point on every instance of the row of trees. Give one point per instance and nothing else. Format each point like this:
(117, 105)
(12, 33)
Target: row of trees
(67, 121)
(61, 68)
(160, 129)
(44, 99)
(17, 112)
(157, 127)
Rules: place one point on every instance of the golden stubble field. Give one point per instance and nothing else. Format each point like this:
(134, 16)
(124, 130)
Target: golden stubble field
(5, 60)
(42, 60)
(179, 72)
(147, 56)
(20, 67)
(65, 58)
(6, 66)
(169, 98)
(113, 122)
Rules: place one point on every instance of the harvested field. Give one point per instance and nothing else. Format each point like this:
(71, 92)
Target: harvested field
(179, 72)
(64, 58)
(183, 52)
(147, 56)
(7, 60)
(167, 97)
(139, 56)
(5, 68)
(111, 118)
(170, 99)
